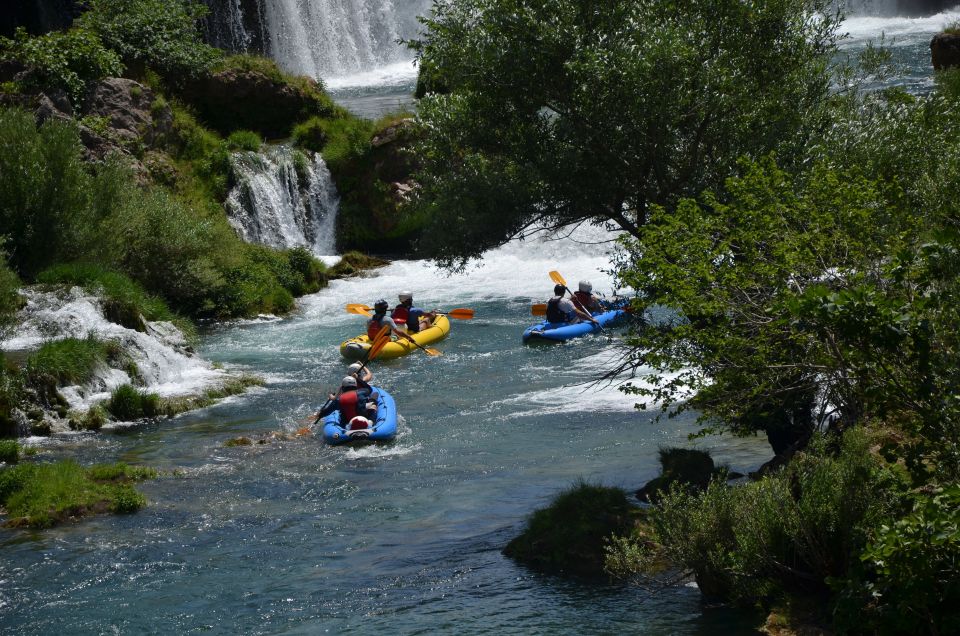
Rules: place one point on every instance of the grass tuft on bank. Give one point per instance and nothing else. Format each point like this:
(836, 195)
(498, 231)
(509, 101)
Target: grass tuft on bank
(43, 495)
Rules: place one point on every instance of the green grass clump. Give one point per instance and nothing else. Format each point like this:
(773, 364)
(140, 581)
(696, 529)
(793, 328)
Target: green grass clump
(952, 28)
(68, 361)
(311, 134)
(244, 140)
(40, 495)
(354, 262)
(569, 535)
(127, 403)
(9, 451)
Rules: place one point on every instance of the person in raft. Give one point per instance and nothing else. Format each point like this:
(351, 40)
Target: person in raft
(363, 375)
(560, 309)
(414, 318)
(380, 318)
(585, 298)
(357, 404)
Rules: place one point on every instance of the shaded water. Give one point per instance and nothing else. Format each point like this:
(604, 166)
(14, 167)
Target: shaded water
(297, 537)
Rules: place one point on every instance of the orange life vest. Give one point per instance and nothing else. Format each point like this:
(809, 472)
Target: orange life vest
(373, 328)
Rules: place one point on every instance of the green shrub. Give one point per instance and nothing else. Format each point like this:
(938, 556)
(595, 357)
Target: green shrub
(126, 499)
(569, 535)
(127, 403)
(679, 466)
(792, 532)
(244, 140)
(10, 299)
(160, 34)
(11, 397)
(9, 451)
(93, 419)
(44, 190)
(311, 134)
(68, 361)
(347, 139)
(71, 60)
(908, 582)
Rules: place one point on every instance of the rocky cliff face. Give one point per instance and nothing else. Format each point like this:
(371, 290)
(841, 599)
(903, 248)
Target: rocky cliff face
(38, 16)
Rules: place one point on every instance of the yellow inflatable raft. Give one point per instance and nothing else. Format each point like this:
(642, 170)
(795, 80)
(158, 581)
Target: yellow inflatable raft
(356, 348)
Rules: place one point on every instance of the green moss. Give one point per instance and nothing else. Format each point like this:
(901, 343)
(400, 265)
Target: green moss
(311, 134)
(238, 441)
(40, 495)
(352, 263)
(569, 535)
(233, 386)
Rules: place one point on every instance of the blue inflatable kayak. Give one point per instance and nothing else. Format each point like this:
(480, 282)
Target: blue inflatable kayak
(383, 429)
(561, 331)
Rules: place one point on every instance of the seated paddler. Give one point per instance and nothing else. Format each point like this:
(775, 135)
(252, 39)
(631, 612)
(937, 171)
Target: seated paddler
(563, 310)
(357, 405)
(414, 318)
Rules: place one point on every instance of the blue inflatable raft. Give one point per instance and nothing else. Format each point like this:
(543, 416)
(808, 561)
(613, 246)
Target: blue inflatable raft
(561, 331)
(383, 429)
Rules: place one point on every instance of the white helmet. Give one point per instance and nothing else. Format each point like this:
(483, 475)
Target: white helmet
(348, 382)
(405, 296)
(358, 422)
(355, 367)
(586, 287)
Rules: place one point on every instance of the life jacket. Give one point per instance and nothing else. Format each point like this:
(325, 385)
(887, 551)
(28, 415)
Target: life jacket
(402, 314)
(585, 300)
(348, 406)
(374, 326)
(554, 313)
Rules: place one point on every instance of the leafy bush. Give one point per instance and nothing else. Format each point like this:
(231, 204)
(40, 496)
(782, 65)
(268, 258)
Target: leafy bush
(71, 60)
(11, 397)
(908, 582)
(159, 34)
(792, 532)
(68, 361)
(44, 190)
(10, 299)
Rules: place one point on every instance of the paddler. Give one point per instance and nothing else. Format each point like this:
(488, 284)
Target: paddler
(357, 404)
(414, 318)
(380, 318)
(560, 309)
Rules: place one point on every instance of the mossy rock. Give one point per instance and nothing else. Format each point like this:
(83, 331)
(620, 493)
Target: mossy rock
(353, 263)
(694, 468)
(569, 535)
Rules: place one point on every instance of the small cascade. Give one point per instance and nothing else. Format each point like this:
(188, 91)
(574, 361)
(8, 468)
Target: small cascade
(235, 25)
(163, 362)
(283, 199)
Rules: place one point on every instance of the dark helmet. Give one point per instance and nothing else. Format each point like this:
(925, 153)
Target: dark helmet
(558, 290)
(380, 306)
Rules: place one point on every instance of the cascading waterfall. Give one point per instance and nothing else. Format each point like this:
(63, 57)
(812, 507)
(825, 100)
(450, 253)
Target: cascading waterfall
(283, 199)
(887, 8)
(331, 38)
(319, 38)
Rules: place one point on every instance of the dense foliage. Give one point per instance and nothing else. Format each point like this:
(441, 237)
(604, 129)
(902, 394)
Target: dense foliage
(570, 111)
(179, 247)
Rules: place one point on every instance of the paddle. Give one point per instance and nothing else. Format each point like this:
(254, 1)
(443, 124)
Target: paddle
(363, 310)
(558, 279)
(459, 314)
(539, 309)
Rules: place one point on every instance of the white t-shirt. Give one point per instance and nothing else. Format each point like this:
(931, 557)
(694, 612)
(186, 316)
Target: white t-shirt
(567, 307)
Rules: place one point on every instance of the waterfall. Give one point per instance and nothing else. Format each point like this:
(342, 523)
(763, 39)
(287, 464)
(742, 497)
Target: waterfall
(236, 25)
(332, 38)
(887, 8)
(283, 198)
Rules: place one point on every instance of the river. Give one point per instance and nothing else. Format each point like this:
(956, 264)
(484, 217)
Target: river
(297, 537)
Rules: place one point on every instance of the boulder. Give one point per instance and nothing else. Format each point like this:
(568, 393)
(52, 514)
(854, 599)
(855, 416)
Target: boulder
(130, 112)
(237, 98)
(945, 51)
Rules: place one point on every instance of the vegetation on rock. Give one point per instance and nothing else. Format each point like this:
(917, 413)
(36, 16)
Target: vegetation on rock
(569, 535)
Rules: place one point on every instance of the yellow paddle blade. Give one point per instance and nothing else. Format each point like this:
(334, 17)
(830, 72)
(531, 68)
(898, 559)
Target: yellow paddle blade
(304, 431)
(557, 278)
(460, 314)
(381, 340)
(539, 310)
(351, 307)
(431, 352)
(359, 311)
